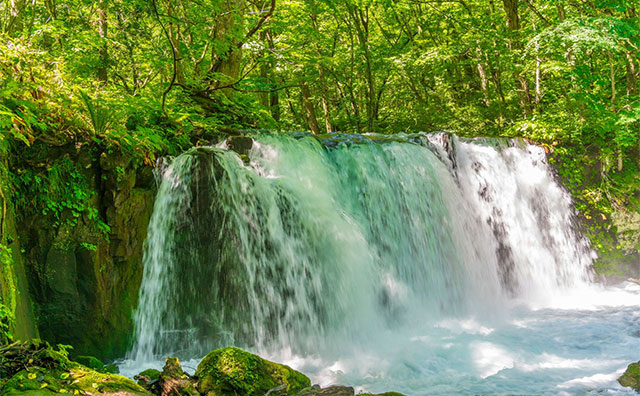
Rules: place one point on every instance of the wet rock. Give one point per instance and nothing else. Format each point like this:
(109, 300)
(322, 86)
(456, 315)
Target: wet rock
(335, 390)
(173, 381)
(86, 273)
(240, 144)
(147, 377)
(338, 390)
(232, 371)
(631, 377)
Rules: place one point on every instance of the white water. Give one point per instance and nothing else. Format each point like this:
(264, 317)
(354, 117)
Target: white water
(432, 267)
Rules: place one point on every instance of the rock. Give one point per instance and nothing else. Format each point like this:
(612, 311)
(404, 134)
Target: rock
(338, 390)
(232, 371)
(90, 361)
(631, 377)
(174, 382)
(147, 377)
(334, 390)
(240, 144)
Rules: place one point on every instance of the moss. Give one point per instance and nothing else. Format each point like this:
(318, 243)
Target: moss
(631, 377)
(234, 371)
(34, 368)
(74, 380)
(147, 376)
(90, 361)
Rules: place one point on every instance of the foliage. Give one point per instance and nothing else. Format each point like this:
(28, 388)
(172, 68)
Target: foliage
(6, 319)
(61, 191)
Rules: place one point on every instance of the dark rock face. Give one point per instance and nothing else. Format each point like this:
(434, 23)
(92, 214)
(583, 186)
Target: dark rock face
(84, 282)
(240, 144)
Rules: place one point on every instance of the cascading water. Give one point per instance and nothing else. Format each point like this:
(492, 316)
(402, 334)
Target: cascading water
(319, 251)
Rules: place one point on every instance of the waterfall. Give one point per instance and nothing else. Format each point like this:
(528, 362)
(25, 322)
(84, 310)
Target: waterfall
(310, 244)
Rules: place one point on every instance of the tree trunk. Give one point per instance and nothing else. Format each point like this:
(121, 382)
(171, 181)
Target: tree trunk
(561, 13)
(632, 77)
(309, 109)
(16, 15)
(361, 22)
(104, 49)
(321, 73)
(513, 23)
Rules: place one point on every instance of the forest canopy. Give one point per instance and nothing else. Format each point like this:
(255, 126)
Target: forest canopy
(146, 75)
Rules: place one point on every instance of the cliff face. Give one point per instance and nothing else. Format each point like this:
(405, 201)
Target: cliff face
(78, 264)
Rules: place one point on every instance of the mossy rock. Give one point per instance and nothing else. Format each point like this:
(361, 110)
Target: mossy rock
(338, 390)
(232, 371)
(631, 377)
(90, 361)
(147, 377)
(75, 380)
(35, 368)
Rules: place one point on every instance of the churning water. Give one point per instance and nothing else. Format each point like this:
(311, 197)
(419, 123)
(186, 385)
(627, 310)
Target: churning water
(426, 265)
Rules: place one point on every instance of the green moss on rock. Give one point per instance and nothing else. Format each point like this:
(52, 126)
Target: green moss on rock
(147, 377)
(631, 377)
(339, 390)
(90, 361)
(232, 371)
(76, 380)
(34, 368)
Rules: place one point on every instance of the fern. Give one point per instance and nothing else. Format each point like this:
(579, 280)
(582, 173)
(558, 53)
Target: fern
(101, 117)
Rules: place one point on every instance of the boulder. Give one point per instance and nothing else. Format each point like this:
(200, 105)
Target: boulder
(232, 371)
(147, 377)
(240, 144)
(631, 377)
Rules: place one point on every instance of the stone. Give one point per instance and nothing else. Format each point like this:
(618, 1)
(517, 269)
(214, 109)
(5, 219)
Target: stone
(339, 390)
(334, 390)
(174, 381)
(631, 377)
(232, 371)
(240, 144)
(147, 377)
(90, 361)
